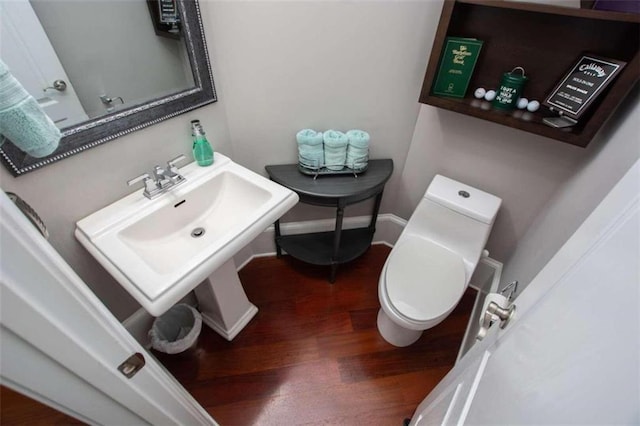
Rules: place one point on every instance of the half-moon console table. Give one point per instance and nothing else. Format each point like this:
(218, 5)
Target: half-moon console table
(337, 246)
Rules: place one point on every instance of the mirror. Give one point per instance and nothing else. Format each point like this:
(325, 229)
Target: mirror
(125, 65)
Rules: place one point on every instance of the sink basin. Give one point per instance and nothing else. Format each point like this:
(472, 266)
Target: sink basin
(177, 233)
(161, 249)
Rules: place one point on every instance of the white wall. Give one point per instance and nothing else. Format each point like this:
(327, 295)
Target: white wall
(286, 66)
(610, 156)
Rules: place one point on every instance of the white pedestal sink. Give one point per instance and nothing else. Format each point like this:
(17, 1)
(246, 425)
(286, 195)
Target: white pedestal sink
(159, 250)
(223, 303)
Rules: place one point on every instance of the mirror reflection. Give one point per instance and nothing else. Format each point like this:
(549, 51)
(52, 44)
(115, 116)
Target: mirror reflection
(82, 60)
(95, 70)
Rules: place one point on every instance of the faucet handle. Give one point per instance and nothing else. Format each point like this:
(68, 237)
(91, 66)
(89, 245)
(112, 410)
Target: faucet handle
(150, 186)
(172, 163)
(142, 177)
(174, 173)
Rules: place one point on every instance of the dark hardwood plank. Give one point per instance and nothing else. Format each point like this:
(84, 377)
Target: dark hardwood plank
(17, 409)
(363, 319)
(384, 401)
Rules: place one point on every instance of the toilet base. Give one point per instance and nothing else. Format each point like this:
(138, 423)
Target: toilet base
(393, 333)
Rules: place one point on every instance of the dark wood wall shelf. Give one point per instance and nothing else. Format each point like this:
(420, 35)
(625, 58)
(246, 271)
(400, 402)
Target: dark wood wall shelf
(546, 41)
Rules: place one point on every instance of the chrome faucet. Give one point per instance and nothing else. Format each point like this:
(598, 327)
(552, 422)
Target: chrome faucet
(167, 177)
(163, 179)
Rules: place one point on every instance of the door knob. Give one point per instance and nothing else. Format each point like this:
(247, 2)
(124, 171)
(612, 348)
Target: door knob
(493, 311)
(59, 85)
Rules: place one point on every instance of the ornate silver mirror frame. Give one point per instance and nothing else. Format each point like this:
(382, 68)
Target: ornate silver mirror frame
(89, 134)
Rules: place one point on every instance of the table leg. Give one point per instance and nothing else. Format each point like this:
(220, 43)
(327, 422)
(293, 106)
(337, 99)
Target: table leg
(336, 243)
(334, 269)
(376, 209)
(276, 225)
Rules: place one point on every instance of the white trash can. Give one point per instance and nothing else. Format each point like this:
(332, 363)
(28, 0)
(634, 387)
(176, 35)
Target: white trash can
(176, 330)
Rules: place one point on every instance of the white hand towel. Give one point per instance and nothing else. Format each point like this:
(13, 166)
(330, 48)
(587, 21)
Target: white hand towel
(335, 149)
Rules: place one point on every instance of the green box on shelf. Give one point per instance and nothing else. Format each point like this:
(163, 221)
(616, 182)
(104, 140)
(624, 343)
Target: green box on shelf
(459, 57)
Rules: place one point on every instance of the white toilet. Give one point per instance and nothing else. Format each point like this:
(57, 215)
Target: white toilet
(429, 268)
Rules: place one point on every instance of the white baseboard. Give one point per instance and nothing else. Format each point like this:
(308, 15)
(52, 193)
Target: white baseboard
(388, 230)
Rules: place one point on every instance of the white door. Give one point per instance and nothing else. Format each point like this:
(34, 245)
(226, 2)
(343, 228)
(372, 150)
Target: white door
(61, 346)
(27, 51)
(571, 354)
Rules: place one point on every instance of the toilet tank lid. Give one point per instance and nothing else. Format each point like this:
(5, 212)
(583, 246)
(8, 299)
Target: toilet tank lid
(464, 199)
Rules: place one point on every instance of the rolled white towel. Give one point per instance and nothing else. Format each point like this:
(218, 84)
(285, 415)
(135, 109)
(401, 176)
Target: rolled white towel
(310, 148)
(335, 149)
(309, 137)
(358, 138)
(358, 149)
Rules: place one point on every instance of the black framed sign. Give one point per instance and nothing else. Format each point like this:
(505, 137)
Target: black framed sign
(582, 85)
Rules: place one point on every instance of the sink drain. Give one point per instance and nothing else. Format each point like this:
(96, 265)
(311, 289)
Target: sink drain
(198, 232)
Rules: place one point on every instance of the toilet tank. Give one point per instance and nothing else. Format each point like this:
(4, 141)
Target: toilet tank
(455, 216)
(463, 199)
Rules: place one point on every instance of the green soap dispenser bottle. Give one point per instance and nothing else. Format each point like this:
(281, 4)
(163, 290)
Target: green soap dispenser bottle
(202, 151)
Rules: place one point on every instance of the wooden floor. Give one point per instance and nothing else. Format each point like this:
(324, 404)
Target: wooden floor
(311, 356)
(17, 409)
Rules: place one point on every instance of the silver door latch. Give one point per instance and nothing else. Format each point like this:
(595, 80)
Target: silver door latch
(132, 365)
(495, 312)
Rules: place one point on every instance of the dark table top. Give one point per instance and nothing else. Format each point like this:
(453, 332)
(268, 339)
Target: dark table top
(333, 189)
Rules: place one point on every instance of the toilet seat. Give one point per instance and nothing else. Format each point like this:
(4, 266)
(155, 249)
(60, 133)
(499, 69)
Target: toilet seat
(423, 280)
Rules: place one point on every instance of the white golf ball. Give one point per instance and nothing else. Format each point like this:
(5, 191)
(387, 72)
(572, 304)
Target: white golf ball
(479, 93)
(490, 95)
(533, 106)
(522, 103)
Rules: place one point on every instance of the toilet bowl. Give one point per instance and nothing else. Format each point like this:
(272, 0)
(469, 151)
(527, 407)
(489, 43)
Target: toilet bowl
(429, 268)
